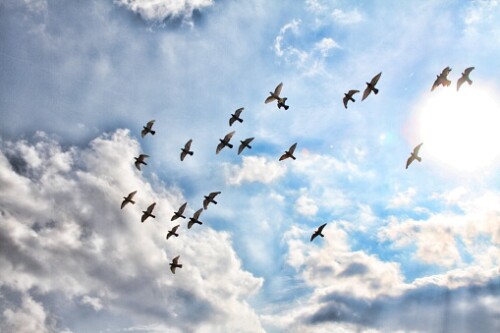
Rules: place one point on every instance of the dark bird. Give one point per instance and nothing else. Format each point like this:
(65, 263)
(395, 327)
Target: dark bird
(173, 232)
(210, 199)
(140, 160)
(245, 143)
(225, 142)
(442, 79)
(195, 218)
(371, 86)
(186, 150)
(179, 212)
(276, 96)
(236, 116)
(175, 264)
(147, 129)
(289, 153)
(148, 212)
(465, 77)
(318, 232)
(414, 155)
(348, 97)
(128, 199)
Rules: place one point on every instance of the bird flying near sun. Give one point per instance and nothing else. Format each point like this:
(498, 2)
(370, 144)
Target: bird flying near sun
(414, 155)
(442, 79)
(465, 77)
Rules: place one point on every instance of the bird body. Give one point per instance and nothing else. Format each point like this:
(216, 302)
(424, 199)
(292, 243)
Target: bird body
(186, 150)
(276, 96)
(289, 152)
(175, 264)
(465, 77)
(148, 128)
(414, 155)
(128, 199)
(236, 116)
(210, 199)
(140, 160)
(348, 96)
(173, 232)
(318, 232)
(195, 218)
(225, 142)
(245, 144)
(179, 212)
(371, 86)
(442, 79)
(148, 212)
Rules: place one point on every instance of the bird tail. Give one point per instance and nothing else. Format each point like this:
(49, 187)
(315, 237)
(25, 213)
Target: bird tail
(293, 157)
(176, 235)
(286, 107)
(249, 147)
(240, 120)
(352, 99)
(375, 91)
(153, 132)
(418, 158)
(230, 145)
(132, 202)
(180, 266)
(190, 153)
(152, 216)
(215, 202)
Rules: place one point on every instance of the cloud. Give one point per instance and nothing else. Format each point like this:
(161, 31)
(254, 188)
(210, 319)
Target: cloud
(306, 206)
(29, 317)
(345, 18)
(325, 45)
(160, 10)
(402, 199)
(254, 169)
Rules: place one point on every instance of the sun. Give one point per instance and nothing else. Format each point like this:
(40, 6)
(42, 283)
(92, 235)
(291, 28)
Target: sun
(460, 129)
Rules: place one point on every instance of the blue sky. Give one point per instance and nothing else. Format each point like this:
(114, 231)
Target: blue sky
(413, 250)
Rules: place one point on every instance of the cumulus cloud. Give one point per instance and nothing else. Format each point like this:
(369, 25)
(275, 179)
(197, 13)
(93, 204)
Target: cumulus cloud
(254, 169)
(402, 199)
(159, 10)
(306, 206)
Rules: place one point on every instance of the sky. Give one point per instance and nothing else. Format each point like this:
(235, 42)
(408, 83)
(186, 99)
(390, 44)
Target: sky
(404, 250)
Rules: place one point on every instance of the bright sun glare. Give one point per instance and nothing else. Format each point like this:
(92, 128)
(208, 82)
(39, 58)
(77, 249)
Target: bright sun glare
(460, 129)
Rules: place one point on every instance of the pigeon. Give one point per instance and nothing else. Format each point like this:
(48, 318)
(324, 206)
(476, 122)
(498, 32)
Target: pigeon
(414, 155)
(318, 232)
(371, 86)
(289, 153)
(225, 142)
(245, 143)
(179, 212)
(175, 264)
(236, 116)
(348, 97)
(465, 77)
(210, 199)
(442, 79)
(147, 129)
(128, 199)
(140, 160)
(195, 218)
(185, 150)
(173, 232)
(147, 212)
(276, 96)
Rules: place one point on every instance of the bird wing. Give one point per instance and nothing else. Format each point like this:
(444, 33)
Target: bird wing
(468, 70)
(352, 92)
(375, 79)
(175, 261)
(461, 81)
(241, 147)
(417, 149)
(213, 194)
(187, 146)
(183, 155)
(366, 93)
(138, 164)
(172, 269)
(314, 235)
(151, 207)
(144, 132)
(436, 83)
(229, 136)
(291, 150)
(237, 113)
(277, 90)
(446, 71)
(321, 227)
(124, 202)
(409, 160)
(182, 208)
(169, 234)
(190, 224)
(150, 124)
(144, 217)
(284, 156)
(197, 214)
(232, 120)
(219, 148)
(174, 229)
(205, 203)
(143, 156)
(345, 100)
(269, 99)
(131, 195)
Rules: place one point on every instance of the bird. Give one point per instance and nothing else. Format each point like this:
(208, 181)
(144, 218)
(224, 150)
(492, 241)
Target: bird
(225, 142)
(195, 218)
(276, 96)
(289, 153)
(245, 143)
(348, 96)
(175, 264)
(465, 77)
(179, 212)
(442, 79)
(371, 86)
(185, 150)
(318, 232)
(173, 232)
(147, 129)
(148, 212)
(414, 155)
(140, 160)
(210, 199)
(236, 116)
(128, 199)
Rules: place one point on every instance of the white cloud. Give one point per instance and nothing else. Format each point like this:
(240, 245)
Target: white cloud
(29, 317)
(325, 45)
(159, 10)
(254, 169)
(306, 206)
(344, 18)
(402, 199)
(292, 26)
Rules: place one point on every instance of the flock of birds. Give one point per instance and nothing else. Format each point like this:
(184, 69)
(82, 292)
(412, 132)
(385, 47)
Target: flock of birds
(442, 79)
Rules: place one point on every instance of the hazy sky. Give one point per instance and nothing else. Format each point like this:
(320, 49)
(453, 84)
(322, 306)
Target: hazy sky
(405, 250)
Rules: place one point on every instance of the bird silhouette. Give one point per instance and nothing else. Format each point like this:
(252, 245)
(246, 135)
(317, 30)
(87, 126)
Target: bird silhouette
(140, 160)
(210, 199)
(348, 97)
(442, 79)
(318, 232)
(148, 212)
(236, 116)
(186, 150)
(128, 199)
(276, 96)
(179, 212)
(245, 143)
(225, 142)
(147, 129)
(195, 218)
(371, 86)
(175, 264)
(173, 232)
(289, 153)
(465, 77)
(414, 155)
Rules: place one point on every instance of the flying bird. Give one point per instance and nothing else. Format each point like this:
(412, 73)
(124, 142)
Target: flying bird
(147, 129)
(245, 143)
(140, 160)
(276, 96)
(186, 150)
(414, 155)
(175, 264)
(148, 212)
(289, 153)
(128, 199)
(173, 232)
(318, 232)
(236, 116)
(442, 79)
(371, 86)
(195, 218)
(179, 212)
(210, 199)
(225, 142)
(348, 97)
(465, 77)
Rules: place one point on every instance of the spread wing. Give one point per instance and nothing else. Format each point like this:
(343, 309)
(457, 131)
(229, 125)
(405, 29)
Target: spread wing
(174, 229)
(375, 79)
(197, 214)
(284, 156)
(345, 100)
(269, 99)
(314, 235)
(229, 136)
(461, 81)
(183, 155)
(237, 113)
(436, 83)
(138, 164)
(277, 90)
(417, 149)
(151, 207)
(352, 92)
(213, 194)
(219, 147)
(187, 146)
(232, 120)
(144, 132)
(366, 93)
(321, 227)
(292, 148)
(124, 202)
(468, 70)
(131, 195)
(182, 208)
(409, 160)
(150, 124)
